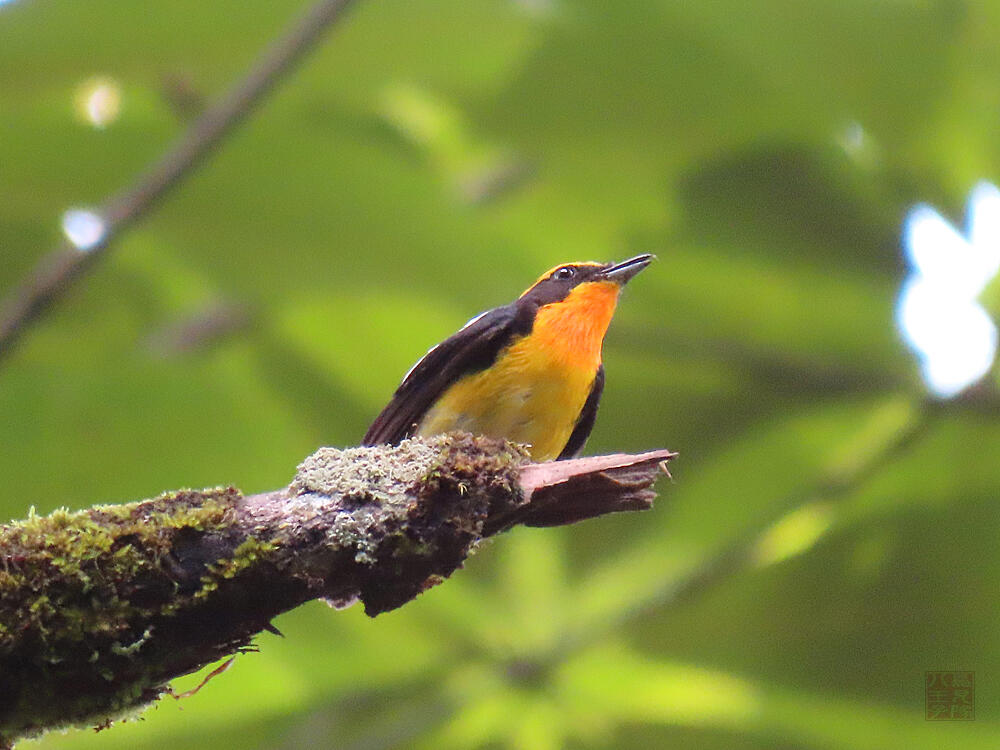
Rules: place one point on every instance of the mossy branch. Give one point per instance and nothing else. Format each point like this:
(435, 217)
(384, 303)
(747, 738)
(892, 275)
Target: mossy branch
(100, 609)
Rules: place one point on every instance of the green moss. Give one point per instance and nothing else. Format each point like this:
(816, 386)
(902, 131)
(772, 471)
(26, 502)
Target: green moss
(245, 556)
(92, 555)
(107, 573)
(95, 605)
(131, 649)
(248, 554)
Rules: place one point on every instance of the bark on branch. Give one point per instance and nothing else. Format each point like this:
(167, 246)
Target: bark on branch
(100, 609)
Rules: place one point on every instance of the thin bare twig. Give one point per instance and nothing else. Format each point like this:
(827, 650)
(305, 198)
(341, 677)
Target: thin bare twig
(54, 274)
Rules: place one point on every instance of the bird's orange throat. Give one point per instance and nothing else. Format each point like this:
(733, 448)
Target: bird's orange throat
(572, 331)
(536, 389)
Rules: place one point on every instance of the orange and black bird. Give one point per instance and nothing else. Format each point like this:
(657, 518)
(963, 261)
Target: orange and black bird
(529, 371)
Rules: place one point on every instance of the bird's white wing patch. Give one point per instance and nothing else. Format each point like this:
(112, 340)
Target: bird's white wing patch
(418, 362)
(473, 320)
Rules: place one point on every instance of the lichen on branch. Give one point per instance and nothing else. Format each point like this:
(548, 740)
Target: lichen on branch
(101, 608)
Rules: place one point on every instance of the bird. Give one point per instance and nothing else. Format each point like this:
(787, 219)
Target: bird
(530, 372)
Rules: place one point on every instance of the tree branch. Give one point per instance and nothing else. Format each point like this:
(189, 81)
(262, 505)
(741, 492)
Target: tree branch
(100, 609)
(55, 272)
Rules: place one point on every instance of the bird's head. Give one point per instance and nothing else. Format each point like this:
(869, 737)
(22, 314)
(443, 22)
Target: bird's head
(575, 279)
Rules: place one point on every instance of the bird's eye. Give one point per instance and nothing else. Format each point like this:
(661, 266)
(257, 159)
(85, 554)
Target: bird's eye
(566, 272)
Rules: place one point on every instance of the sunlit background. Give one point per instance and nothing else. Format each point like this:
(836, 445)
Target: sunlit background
(817, 340)
(939, 312)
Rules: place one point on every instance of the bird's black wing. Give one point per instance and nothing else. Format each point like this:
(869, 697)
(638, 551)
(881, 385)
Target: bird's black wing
(473, 348)
(585, 423)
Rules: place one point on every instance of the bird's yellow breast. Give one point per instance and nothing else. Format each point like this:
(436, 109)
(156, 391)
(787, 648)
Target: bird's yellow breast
(535, 390)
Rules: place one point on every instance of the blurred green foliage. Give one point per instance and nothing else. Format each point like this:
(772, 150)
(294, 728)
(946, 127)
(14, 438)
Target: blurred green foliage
(428, 162)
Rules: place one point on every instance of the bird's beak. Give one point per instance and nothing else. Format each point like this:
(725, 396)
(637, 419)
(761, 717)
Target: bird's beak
(620, 273)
